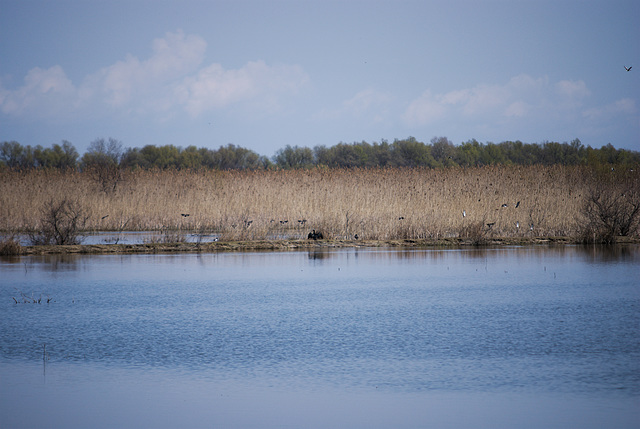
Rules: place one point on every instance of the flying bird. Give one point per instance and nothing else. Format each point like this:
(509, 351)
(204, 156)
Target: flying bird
(628, 68)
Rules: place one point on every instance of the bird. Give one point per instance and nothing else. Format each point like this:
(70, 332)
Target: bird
(315, 235)
(518, 204)
(184, 214)
(627, 68)
(491, 224)
(104, 217)
(504, 206)
(517, 225)
(464, 213)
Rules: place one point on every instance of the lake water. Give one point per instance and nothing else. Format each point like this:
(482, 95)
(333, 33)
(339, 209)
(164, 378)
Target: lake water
(521, 337)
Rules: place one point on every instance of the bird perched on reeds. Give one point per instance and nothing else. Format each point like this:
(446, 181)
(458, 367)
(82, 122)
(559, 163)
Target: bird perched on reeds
(313, 235)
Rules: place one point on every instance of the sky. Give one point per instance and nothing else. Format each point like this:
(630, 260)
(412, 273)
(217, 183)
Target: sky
(263, 74)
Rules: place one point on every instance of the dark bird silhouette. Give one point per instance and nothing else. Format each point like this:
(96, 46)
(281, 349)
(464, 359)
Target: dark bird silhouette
(627, 68)
(491, 224)
(518, 204)
(104, 217)
(313, 235)
(184, 214)
(504, 205)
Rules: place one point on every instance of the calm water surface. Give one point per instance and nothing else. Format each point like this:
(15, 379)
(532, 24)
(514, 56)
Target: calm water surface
(512, 337)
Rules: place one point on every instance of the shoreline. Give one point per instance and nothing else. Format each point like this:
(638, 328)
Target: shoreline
(297, 244)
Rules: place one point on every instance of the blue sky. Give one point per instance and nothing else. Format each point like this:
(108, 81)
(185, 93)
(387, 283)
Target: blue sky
(269, 73)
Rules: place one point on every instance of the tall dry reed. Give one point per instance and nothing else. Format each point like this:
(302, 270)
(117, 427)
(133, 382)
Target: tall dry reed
(376, 203)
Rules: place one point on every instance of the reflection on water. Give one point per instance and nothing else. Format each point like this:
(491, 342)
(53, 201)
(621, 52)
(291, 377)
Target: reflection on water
(503, 337)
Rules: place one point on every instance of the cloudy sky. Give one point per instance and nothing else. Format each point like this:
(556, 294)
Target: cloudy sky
(269, 73)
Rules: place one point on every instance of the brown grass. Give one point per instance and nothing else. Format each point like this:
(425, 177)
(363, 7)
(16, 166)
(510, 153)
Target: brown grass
(375, 204)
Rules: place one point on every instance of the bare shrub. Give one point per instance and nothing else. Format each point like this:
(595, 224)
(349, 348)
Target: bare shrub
(10, 246)
(611, 209)
(476, 232)
(107, 176)
(61, 222)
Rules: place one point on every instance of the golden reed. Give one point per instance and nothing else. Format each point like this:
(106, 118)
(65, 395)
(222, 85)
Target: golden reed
(375, 204)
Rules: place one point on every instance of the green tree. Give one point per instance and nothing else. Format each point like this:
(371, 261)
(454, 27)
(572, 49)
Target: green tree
(190, 158)
(468, 154)
(16, 156)
(492, 154)
(294, 157)
(442, 150)
(58, 156)
(232, 157)
(412, 153)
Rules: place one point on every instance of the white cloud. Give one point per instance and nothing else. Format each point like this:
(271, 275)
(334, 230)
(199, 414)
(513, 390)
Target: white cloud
(625, 106)
(369, 105)
(517, 109)
(44, 91)
(364, 101)
(214, 87)
(522, 96)
(172, 58)
(427, 108)
(169, 80)
(572, 89)
(571, 94)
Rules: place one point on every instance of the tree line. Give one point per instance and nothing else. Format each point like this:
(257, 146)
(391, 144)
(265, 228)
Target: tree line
(409, 152)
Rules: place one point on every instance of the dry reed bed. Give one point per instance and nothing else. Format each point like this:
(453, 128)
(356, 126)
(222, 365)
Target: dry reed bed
(375, 204)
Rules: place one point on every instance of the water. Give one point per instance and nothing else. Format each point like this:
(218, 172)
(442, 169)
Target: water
(512, 337)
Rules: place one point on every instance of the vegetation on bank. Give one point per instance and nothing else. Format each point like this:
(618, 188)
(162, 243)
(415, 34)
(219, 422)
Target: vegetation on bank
(472, 205)
(440, 152)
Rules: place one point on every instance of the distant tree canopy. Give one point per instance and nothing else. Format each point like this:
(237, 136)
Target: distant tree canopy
(14, 155)
(409, 152)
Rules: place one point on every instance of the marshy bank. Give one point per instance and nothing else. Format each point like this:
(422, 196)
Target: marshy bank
(277, 209)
